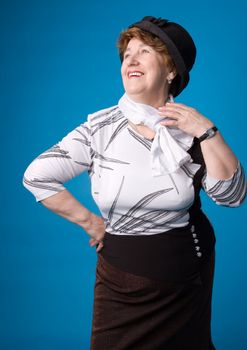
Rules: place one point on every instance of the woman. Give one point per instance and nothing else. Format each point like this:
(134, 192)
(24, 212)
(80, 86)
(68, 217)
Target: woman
(148, 157)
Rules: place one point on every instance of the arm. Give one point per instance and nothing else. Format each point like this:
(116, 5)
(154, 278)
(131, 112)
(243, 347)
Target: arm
(219, 159)
(222, 166)
(46, 175)
(229, 192)
(67, 206)
(224, 180)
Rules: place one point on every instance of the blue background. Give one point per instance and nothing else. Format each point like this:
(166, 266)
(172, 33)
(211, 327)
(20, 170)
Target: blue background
(59, 63)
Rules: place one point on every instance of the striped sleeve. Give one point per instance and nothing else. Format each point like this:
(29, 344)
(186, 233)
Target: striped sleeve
(230, 192)
(71, 156)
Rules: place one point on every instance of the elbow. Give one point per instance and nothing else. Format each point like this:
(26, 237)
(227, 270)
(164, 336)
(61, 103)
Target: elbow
(40, 182)
(26, 177)
(234, 202)
(239, 202)
(29, 175)
(231, 192)
(29, 179)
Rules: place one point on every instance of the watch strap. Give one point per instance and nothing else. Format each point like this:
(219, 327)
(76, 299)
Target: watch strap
(208, 134)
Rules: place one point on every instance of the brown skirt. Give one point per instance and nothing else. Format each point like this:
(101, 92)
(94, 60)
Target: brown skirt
(134, 312)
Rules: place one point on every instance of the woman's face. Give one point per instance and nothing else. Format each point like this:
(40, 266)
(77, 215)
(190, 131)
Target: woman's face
(144, 73)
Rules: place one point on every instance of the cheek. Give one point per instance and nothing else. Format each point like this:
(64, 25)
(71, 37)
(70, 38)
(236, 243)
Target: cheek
(163, 69)
(159, 66)
(160, 73)
(123, 70)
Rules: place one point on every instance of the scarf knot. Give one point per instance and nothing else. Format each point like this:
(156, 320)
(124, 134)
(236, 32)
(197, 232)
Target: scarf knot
(169, 146)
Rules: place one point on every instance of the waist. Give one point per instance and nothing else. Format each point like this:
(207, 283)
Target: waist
(175, 255)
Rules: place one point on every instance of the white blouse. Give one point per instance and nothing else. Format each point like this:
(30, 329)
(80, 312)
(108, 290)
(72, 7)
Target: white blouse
(131, 200)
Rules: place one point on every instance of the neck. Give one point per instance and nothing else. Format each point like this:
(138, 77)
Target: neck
(155, 102)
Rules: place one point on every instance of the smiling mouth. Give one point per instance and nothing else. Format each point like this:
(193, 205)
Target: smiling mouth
(135, 74)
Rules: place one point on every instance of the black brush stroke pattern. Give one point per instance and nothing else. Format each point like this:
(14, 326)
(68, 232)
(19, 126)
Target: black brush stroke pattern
(120, 127)
(124, 219)
(144, 142)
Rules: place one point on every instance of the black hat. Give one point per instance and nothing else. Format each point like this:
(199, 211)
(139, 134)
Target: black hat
(179, 44)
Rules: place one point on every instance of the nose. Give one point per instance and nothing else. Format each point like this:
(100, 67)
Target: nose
(132, 60)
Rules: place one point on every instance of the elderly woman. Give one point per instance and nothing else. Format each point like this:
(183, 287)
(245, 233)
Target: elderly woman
(148, 158)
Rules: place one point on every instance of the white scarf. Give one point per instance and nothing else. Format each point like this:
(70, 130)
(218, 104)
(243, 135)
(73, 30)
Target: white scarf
(169, 145)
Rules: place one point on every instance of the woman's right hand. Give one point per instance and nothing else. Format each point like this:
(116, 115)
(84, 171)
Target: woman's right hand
(67, 206)
(95, 227)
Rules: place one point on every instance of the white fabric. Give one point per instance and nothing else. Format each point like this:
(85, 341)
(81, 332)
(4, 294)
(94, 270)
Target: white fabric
(169, 145)
(119, 161)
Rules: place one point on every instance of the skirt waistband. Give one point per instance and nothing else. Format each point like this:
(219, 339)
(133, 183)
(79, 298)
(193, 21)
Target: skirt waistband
(174, 255)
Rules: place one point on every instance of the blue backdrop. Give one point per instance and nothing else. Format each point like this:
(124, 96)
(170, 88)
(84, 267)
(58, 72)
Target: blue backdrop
(58, 63)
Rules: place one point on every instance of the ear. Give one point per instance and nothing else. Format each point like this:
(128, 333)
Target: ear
(171, 75)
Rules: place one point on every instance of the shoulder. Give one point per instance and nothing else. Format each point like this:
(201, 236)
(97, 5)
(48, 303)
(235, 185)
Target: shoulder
(103, 123)
(102, 114)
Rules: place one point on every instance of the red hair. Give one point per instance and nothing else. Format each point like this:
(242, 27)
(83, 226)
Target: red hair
(148, 39)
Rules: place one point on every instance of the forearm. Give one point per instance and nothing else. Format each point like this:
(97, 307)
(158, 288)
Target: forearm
(67, 206)
(219, 158)
(224, 180)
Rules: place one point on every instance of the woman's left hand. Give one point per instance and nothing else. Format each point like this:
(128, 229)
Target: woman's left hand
(186, 118)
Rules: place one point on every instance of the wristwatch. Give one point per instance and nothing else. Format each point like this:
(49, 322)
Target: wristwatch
(208, 134)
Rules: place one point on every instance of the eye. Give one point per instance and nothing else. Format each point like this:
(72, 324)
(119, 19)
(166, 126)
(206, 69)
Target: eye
(145, 50)
(125, 56)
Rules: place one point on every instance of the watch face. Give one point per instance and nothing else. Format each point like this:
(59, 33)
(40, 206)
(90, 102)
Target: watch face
(211, 132)
(208, 134)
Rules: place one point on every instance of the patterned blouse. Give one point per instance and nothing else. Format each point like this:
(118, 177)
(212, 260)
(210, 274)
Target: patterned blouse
(118, 161)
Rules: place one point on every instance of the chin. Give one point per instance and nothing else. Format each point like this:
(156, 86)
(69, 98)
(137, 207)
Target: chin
(135, 92)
